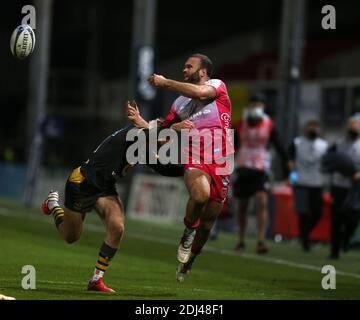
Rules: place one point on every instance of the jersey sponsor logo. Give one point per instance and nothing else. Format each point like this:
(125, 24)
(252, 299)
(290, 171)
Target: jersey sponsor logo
(199, 114)
(226, 118)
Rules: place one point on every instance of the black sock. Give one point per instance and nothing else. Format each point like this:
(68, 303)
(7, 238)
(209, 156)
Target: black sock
(105, 255)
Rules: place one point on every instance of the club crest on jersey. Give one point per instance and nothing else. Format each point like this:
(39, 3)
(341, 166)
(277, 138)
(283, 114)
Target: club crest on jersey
(225, 181)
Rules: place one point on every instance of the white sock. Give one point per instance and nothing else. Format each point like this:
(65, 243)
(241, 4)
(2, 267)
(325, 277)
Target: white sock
(97, 275)
(52, 204)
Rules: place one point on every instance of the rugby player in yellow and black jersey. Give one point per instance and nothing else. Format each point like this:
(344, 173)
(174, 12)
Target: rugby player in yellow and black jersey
(92, 186)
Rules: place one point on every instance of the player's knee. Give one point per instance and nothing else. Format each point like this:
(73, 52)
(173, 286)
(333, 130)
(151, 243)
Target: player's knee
(71, 238)
(200, 196)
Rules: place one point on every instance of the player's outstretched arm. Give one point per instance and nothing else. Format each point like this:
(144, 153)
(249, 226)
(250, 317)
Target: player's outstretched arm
(133, 114)
(183, 125)
(194, 91)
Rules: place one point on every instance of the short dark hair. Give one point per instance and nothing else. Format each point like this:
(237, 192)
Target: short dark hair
(205, 63)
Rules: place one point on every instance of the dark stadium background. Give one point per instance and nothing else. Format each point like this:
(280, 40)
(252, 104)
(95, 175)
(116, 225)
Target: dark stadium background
(181, 28)
(92, 72)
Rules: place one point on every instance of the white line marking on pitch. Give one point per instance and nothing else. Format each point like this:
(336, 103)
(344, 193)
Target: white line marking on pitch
(288, 263)
(245, 255)
(78, 283)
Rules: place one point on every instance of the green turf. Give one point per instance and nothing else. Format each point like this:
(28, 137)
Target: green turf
(144, 268)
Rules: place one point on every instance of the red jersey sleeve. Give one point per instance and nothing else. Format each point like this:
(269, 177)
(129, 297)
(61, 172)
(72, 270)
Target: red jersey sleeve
(218, 85)
(221, 92)
(171, 118)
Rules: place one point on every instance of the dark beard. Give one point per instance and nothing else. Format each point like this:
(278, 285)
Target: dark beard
(194, 78)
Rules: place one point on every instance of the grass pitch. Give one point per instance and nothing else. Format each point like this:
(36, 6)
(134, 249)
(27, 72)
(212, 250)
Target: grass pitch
(144, 267)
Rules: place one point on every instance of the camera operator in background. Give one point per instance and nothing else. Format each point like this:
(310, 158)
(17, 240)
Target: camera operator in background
(305, 155)
(253, 136)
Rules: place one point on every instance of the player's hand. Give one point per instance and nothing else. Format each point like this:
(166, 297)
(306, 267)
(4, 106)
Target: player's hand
(133, 114)
(157, 81)
(183, 125)
(133, 104)
(132, 110)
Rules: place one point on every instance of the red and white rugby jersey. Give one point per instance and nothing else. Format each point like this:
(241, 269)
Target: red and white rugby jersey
(207, 116)
(254, 142)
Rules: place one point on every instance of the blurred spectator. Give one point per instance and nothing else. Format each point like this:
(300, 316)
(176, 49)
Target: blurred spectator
(253, 135)
(305, 156)
(343, 220)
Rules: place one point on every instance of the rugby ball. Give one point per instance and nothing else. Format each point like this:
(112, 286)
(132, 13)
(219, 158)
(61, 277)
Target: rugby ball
(22, 41)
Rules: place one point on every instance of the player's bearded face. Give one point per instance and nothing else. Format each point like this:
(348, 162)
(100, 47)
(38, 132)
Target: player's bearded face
(193, 77)
(192, 70)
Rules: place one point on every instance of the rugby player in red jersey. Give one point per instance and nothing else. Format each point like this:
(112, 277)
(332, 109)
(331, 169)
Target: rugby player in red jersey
(203, 107)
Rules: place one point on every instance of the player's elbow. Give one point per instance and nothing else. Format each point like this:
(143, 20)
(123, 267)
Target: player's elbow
(203, 97)
(202, 94)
